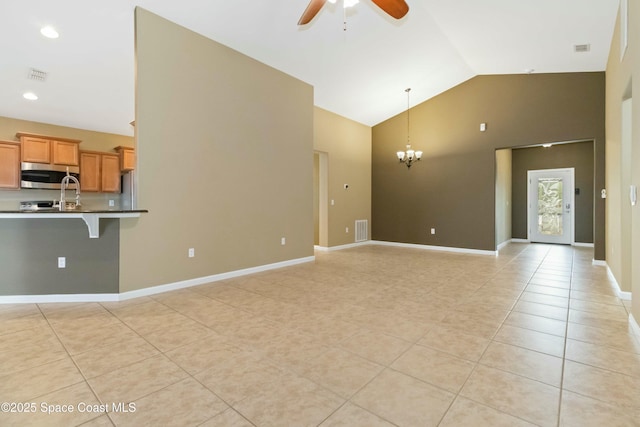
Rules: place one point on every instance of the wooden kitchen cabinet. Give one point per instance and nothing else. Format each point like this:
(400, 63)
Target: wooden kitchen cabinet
(89, 171)
(9, 165)
(65, 153)
(49, 149)
(127, 158)
(110, 164)
(99, 172)
(35, 150)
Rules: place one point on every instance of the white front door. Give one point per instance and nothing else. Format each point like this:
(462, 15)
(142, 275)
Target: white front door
(551, 197)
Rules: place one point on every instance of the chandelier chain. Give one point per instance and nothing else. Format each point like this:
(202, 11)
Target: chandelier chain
(408, 112)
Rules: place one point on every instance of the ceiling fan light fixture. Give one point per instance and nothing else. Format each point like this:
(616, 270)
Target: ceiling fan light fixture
(394, 8)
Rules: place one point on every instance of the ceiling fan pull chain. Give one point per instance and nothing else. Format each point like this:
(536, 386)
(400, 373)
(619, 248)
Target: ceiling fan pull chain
(344, 19)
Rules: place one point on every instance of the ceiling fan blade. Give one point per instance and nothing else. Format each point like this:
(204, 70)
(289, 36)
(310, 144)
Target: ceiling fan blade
(395, 8)
(311, 11)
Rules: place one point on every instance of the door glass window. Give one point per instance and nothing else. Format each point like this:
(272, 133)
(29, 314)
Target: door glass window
(550, 206)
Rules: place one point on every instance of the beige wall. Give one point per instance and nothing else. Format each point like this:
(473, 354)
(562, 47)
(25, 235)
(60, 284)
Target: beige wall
(503, 196)
(348, 147)
(623, 221)
(225, 160)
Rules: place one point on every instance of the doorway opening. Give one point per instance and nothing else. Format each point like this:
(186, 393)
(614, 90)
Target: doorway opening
(320, 198)
(512, 189)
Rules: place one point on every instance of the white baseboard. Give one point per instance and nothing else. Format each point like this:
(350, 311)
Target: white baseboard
(623, 295)
(520, 241)
(340, 247)
(435, 248)
(37, 299)
(503, 244)
(153, 290)
(583, 245)
(599, 262)
(209, 279)
(634, 324)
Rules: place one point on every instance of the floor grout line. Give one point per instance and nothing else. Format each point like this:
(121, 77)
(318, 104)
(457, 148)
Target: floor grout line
(486, 278)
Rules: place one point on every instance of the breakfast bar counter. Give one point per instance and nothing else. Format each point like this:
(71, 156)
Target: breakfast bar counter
(90, 216)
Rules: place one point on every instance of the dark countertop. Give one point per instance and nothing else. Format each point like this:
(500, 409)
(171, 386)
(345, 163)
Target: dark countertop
(76, 211)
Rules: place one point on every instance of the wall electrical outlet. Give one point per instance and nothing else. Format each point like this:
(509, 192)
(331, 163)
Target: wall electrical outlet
(283, 241)
(62, 262)
(346, 229)
(192, 252)
(112, 203)
(433, 231)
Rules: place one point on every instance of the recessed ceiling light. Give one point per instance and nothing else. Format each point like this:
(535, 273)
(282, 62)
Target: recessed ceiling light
(30, 96)
(49, 32)
(529, 70)
(547, 145)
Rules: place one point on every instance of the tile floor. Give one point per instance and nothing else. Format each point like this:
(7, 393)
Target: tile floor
(370, 336)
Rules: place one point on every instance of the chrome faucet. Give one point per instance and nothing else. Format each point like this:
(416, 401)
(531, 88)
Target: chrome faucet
(63, 185)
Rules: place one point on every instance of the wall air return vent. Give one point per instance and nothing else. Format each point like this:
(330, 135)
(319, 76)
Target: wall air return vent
(37, 75)
(582, 48)
(362, 230)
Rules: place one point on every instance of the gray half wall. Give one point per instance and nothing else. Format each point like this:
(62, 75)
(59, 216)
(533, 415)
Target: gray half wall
(29, 251)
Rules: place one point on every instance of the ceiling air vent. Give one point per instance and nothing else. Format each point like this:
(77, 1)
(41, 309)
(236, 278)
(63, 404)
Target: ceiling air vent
(582, 47)
(38, 75)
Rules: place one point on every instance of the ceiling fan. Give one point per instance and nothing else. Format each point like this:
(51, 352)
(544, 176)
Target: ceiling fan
(394, 8)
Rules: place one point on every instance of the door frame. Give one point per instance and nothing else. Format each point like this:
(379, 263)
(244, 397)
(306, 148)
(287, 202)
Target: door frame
(572, 239)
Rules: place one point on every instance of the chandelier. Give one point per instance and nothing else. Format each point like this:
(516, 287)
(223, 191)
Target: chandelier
(409, 156)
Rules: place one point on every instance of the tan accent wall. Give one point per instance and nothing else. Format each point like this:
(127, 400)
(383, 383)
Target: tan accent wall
(225, 160)
(623, 221)
(453, 188)
(348, 147)
(503, 196)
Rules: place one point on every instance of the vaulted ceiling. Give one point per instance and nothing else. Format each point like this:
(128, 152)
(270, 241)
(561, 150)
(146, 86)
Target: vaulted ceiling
(360, 73)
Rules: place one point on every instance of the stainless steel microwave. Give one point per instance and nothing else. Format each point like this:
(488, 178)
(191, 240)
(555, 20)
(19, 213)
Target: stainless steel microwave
(47, 176)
